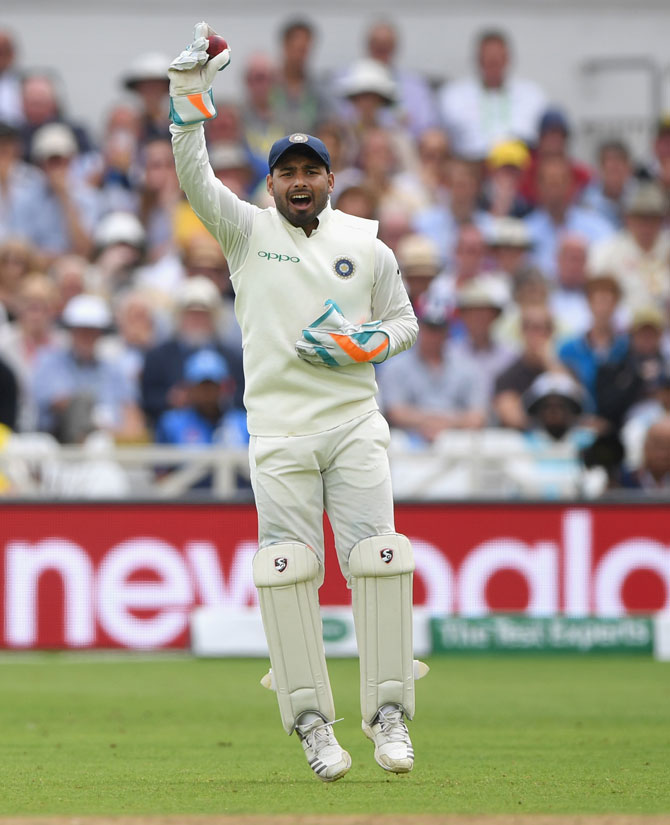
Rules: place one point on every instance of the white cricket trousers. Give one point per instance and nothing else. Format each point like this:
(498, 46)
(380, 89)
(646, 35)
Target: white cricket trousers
(344, 471)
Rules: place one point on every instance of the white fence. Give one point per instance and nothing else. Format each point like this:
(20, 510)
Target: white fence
(492, 463)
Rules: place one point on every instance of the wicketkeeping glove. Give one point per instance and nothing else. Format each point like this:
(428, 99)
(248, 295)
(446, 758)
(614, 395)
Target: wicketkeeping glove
(333, 341)
(191, 76)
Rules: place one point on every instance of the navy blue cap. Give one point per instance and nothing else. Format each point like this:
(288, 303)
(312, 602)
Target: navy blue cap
(298, 139)
(554, 119)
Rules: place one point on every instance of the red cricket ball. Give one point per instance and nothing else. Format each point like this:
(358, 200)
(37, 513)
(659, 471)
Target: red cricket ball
(215, 45)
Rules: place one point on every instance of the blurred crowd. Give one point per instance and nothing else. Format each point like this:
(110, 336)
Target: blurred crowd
(541, 282)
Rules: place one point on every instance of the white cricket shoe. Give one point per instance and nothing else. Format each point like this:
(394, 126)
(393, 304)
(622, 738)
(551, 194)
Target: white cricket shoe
(393, 747)
(326, 758)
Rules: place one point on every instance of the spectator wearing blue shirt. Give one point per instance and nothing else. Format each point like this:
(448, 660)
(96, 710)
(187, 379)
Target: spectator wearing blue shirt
(59, 215)
(209, 417)
(601, 345)
(557, 214)
(76, 392)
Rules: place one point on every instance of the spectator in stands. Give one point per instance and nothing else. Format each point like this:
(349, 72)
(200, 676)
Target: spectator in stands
(159, 196)
(505, 167)
(58, 216)
(434, 156)
(297, 97)
(491, 106)
(357, 200)
(119, 244)
(197, 306)
(654, 473)
(233, 167)
(608, 193)
(17, 259)
(537, 356)
(380, 168)
(77, 392)
(529, 288)
(556, 214)
(642, 416)
(419, 262)
(394, 225)
(554, 403)
(11, 109)
(367, 90)
(70, 275)
(468, 262)
(508, 245)
(147, 79)
(649, 361)
(639, 255)
(601, 344)
(260, 126)
(203, 256)
(554, 142)
(226, 127)
(116, 175)
(42, 106)
(557, 439)
(568, 301)
(136, 333)
(426, 390)
(479, 303)
(17, 179)
(9, 394)
(443, 221)
(33, 332)
(415, 100)
(370, 92)
(209, 416)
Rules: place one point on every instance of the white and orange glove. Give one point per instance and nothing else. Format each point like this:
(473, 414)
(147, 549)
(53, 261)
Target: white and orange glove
(191, 77)
(333, 341)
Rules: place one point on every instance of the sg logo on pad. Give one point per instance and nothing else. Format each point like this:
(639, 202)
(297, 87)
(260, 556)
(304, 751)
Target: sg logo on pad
(386, 554)
(281, 563)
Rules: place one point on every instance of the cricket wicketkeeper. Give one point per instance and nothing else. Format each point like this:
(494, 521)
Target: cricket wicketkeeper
(319, 300)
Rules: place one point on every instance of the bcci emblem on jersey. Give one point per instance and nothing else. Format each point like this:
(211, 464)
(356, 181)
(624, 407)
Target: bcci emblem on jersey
(344, 268)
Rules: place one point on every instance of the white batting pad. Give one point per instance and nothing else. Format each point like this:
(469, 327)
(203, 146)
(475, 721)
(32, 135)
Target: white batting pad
(381, 570)
(287, 576)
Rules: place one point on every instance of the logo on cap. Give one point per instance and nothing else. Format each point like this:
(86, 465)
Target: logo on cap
(298, 137)
(344, 268)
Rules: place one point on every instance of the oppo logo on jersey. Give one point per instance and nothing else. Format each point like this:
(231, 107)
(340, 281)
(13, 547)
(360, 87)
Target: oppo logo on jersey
(276, 256)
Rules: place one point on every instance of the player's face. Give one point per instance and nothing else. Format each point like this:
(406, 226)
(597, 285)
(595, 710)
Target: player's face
(300, 185)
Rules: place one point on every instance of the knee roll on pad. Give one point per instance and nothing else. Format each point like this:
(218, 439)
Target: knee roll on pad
(287, 576)
(381, 570)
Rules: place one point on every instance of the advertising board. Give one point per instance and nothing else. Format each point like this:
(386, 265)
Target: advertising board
(129, 575)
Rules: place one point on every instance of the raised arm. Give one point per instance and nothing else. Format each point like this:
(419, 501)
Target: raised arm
(191, 74)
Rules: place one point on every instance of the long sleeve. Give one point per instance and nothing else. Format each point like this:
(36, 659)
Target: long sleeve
(227, 217)
(390, 302)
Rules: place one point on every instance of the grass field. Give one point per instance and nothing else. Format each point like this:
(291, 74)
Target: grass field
(179, 736)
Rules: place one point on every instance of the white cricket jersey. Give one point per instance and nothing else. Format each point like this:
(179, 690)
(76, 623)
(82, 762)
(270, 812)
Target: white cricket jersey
(281, 279)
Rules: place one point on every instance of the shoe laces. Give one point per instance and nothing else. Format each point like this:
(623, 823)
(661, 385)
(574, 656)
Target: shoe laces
(392, 725)
(319, 736)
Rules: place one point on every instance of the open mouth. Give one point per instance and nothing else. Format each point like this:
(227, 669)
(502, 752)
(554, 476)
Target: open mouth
(301, 200)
